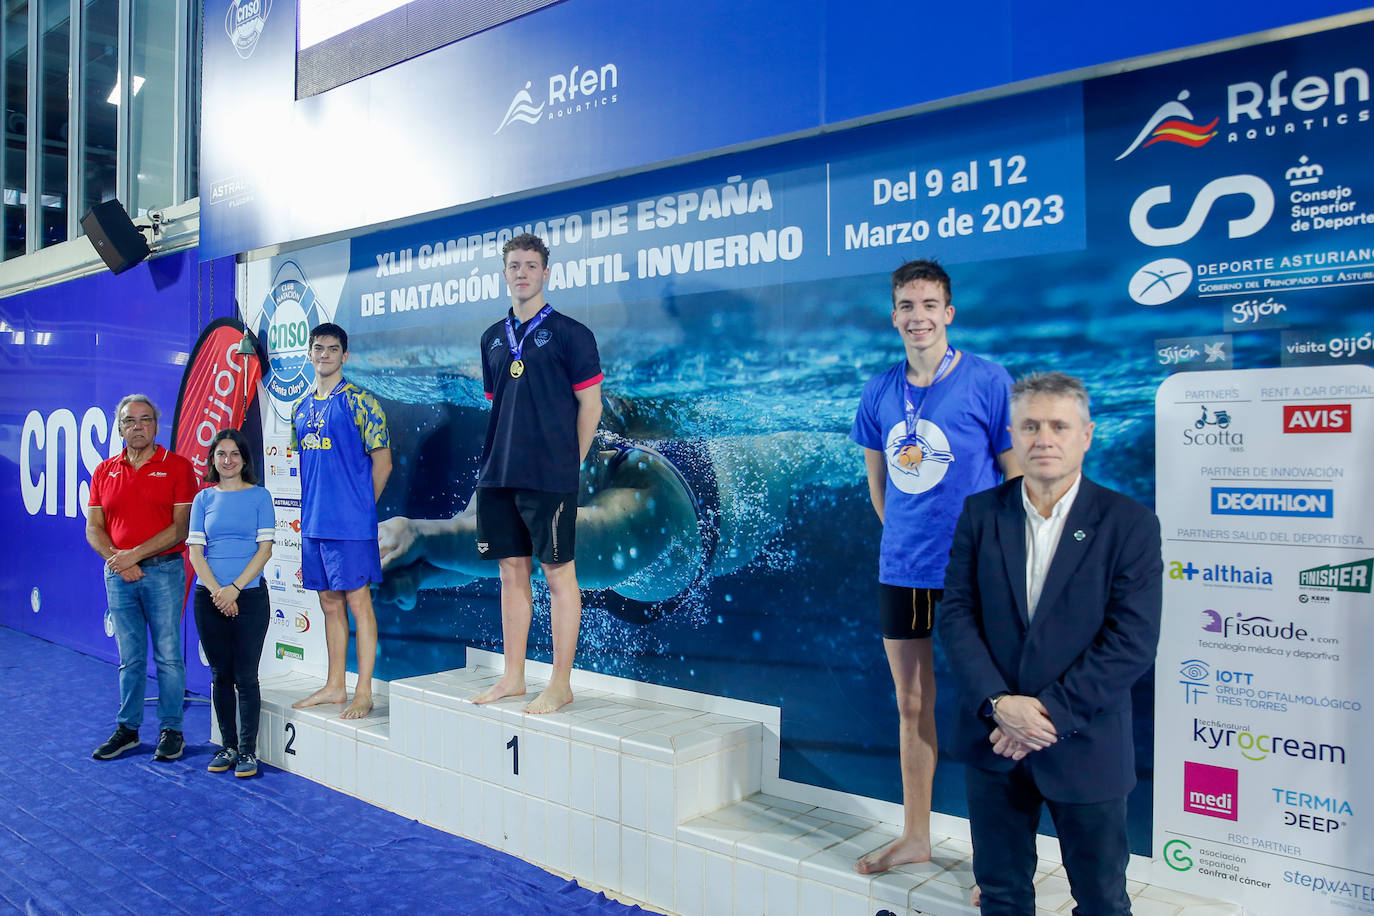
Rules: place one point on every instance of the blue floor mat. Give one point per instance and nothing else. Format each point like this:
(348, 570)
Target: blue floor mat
(132, 835)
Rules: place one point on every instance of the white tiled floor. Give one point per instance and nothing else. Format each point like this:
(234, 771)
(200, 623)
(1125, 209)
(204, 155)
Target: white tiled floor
(655, 802)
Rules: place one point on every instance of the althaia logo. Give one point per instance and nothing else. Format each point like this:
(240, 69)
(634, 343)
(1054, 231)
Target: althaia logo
(1272, 501)
(569, 94)
(1172, 122)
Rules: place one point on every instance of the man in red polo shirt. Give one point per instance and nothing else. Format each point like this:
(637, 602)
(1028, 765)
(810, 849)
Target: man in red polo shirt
(139, 511)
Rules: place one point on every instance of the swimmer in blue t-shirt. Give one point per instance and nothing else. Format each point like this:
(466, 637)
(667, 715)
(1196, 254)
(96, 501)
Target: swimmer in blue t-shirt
(934, 428)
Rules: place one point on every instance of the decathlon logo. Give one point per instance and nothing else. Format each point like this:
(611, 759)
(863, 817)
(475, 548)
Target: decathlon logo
(1172, 122)
(1256, 189)
(568, 94)
(243, 23)
(1313, 503)
(1161, 281)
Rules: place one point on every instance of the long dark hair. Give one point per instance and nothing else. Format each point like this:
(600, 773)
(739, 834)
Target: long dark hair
(236, 437)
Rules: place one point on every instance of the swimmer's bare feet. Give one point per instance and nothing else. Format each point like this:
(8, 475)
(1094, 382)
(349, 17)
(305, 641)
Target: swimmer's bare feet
(551, 700)
(325, 696)
(506, 687)
(976, 896)
(904, 850)
(361, 706)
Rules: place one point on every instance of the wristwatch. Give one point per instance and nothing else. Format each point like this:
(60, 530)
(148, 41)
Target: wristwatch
(989, 707)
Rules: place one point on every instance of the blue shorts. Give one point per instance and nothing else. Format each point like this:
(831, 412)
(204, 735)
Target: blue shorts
(339, 566)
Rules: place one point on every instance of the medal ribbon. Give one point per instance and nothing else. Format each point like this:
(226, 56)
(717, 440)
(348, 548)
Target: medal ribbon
(317, 415)
(912, 404)
(517, 348)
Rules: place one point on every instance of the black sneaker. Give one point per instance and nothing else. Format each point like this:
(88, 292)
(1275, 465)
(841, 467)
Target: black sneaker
(247, 766)
(170, 744)
(122, 739)
(223, 760)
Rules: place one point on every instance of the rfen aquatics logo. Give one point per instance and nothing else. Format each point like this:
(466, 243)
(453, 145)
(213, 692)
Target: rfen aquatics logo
(1272, 501)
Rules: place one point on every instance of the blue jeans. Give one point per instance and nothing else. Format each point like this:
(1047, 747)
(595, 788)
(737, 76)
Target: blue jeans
(152, 604)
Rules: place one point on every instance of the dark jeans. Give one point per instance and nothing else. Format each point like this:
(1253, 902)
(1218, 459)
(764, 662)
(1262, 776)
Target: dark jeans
(1003, 812)
(233, 646)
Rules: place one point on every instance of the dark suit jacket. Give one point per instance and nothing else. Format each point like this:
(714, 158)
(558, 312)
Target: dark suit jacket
(1093, 635)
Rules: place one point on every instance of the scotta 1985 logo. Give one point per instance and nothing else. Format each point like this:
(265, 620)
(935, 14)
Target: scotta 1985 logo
(244, 22)
(290, 310)
(568, 94)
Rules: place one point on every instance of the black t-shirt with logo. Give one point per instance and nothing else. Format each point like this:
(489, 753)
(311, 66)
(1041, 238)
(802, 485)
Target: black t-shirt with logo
(532, 434)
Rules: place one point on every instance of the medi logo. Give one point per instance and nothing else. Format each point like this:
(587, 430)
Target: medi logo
(1343, 577)
(1211, 790)
(1316, 418)
(1271, 501)
(568, 94)
(1217, 735)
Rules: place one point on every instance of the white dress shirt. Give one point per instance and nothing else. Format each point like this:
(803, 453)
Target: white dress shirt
(1042, 539)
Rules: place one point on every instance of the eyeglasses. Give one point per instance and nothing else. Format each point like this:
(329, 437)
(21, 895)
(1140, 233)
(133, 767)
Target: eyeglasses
(128, 422)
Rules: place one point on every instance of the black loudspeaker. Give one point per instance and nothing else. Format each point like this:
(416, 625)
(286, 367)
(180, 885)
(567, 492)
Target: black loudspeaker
(118, 242)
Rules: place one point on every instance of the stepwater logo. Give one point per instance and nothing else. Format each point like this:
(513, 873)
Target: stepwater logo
(244, 22)
(1342, 577)
(1211, 790)
(1223, 575)
(1173, 122)
(1161, 281)
(568, 94)
(286, 650)
(1216, 736)
(1271, 501)
(1316, 418)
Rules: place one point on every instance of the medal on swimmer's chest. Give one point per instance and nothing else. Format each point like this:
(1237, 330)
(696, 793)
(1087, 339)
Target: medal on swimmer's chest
(315, 421)
(517, 365)
(912, 405)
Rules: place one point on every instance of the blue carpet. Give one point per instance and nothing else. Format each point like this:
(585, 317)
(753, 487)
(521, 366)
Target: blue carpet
(132, 835)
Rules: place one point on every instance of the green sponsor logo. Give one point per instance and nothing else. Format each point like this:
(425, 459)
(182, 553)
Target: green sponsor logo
(1176, 855)
(285, 650)
(1343, 577)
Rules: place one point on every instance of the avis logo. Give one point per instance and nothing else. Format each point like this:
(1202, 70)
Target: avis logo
(244, 22)
(1316, 418)
(1172, 122)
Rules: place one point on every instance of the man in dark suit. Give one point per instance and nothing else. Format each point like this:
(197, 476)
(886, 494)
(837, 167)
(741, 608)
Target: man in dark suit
(1051, 613)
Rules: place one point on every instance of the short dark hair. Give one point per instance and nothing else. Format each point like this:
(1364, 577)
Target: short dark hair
(329, 329)
(238, 438)
(526, 241)
(912, 271)
(1053, 384)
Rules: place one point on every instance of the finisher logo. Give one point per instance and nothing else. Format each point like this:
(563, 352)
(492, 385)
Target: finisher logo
(916, 467)
(1211, 790)
(572, 93)
(243, 23)
(1312, 503)
(290, 310)
(1343, 577)
(1173, 122)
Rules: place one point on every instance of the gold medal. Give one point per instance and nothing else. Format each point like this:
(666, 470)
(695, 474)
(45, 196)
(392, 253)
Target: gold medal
(517, 368)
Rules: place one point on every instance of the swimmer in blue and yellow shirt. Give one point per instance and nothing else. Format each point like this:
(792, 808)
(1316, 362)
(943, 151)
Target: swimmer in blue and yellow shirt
(345, 452)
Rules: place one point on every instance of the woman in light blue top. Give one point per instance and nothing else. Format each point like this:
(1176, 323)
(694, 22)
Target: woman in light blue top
(232, 525)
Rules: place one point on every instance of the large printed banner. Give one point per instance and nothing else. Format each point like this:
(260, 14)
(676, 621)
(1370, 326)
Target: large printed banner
(1268, 519)
(1215, 214)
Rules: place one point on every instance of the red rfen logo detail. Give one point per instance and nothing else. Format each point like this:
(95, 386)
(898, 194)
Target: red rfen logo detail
(1210, 790)
(1316, 418)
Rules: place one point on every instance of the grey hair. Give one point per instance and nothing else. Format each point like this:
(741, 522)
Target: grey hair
(135, 398)
(1053, 384)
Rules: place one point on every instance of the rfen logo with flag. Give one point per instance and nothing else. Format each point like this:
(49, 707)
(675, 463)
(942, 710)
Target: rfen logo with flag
(1210, 790)
(1316, 418)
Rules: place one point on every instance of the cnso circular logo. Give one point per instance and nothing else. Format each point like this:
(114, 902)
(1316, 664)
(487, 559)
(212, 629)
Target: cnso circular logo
(290, 310)
(1161, 281)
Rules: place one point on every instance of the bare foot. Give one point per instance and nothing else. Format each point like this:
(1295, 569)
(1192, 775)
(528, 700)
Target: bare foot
(551, 700)
(360, 707)
(502, 688)
(902, 851)
(976, 897)
(322, 697)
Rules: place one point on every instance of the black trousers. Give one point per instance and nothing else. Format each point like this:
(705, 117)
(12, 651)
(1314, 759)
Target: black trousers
(1003, 812)
(233, 645)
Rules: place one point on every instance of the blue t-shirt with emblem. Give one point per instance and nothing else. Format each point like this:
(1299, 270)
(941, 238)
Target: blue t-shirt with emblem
(964, 426)
(531, 439)
(230, 525)
(334, 436)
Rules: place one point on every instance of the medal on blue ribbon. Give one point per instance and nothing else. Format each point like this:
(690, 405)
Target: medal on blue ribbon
(517, 365)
